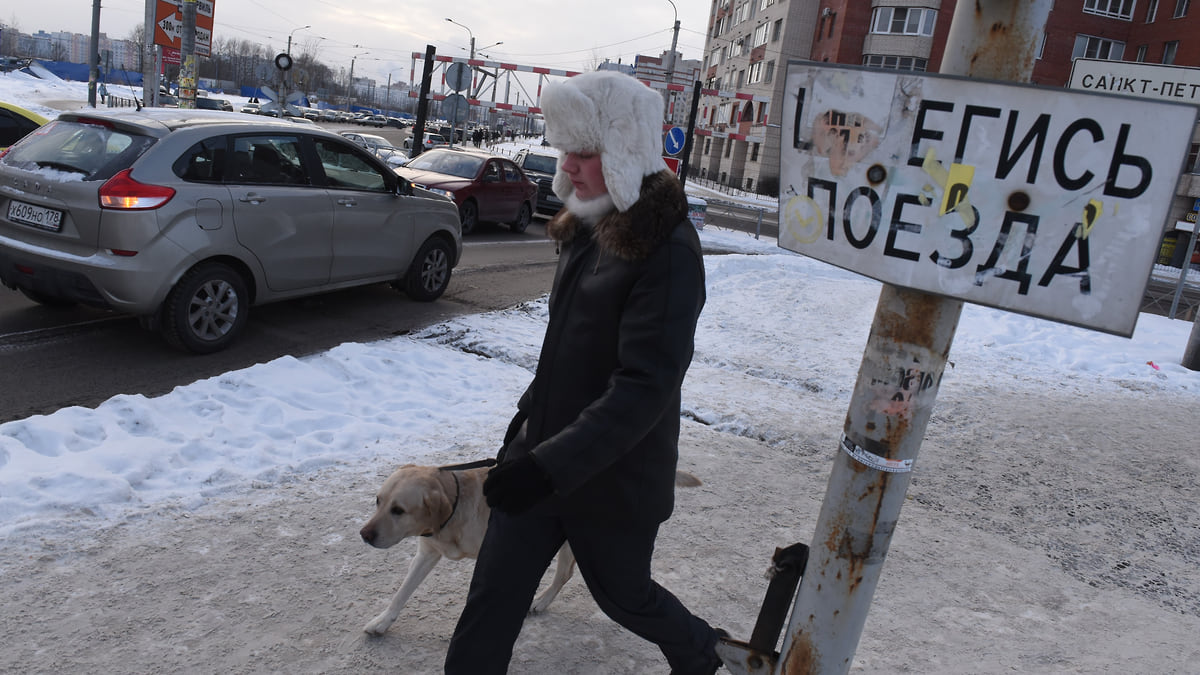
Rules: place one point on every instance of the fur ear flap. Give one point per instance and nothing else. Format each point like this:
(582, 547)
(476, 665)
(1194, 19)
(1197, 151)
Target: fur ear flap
(613, 114)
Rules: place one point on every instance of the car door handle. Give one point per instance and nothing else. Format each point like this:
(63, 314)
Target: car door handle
(347, 201)
(253, 198)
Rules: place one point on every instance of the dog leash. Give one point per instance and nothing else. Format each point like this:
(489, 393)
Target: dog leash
(469, 465)
(454, 469)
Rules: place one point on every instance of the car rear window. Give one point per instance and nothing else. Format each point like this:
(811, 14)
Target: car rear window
(541, 163)
(449, 162)
(92, 151)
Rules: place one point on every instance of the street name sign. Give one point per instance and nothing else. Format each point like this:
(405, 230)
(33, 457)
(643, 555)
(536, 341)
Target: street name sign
(1131, 78)
(1045, 202)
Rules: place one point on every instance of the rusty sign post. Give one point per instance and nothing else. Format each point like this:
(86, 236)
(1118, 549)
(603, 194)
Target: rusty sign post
(949, 189)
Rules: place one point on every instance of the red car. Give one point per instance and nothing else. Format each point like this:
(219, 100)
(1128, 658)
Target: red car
(485, 187)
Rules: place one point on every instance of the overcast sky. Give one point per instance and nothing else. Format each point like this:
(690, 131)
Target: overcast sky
(547, 33)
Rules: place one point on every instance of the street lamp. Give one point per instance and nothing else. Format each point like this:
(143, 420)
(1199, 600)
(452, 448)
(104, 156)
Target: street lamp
(494, 44)
(350, 84)
(468, 33)
(289, 47)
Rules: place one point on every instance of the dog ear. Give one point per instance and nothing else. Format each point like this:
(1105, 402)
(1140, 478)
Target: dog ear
(437, 506)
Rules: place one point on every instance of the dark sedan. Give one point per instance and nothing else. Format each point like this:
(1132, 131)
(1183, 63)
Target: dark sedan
(485, 187)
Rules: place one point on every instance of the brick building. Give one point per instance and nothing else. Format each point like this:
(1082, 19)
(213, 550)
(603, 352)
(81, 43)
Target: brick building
(749, 43)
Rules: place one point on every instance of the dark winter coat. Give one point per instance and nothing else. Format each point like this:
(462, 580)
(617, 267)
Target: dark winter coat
(601, 416)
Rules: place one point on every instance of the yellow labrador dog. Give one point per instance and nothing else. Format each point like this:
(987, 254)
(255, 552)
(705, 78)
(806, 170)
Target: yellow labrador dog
(445, 507)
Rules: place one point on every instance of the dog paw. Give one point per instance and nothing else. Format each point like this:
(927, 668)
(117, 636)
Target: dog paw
(379, 625)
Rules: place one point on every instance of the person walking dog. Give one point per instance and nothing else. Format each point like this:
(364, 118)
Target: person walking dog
(590, 456)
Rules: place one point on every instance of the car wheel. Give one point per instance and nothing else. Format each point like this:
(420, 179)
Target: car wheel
(206, 310)
(522, 222)
(429, 274)
(468, 214)
(47, 300)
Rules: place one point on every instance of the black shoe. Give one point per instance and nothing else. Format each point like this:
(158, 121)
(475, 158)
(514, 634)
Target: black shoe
(715, 664)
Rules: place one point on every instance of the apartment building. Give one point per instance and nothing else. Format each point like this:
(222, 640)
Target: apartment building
(654, 69)
(749, 43)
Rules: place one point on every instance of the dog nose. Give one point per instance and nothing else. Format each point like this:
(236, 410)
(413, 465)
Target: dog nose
(368, 535)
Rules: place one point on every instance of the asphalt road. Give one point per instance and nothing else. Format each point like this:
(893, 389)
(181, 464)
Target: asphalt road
(53, 358)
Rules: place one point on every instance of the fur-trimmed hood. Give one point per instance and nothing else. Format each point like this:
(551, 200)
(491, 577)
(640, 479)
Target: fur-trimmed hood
(634, 233)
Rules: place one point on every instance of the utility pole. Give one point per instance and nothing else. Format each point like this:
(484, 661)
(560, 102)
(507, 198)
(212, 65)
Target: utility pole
(94, 54)
(671, 66)
(149, 59)
(988, 39)
(187, 64)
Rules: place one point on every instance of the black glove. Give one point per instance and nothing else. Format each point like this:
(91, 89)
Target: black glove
(514, 487)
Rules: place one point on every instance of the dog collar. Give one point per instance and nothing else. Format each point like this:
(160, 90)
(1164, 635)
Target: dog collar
(454, 469)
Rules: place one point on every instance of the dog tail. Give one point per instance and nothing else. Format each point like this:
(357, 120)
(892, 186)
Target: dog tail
(685, 479)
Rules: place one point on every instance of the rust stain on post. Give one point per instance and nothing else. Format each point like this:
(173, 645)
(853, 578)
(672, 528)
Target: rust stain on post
(802, 657)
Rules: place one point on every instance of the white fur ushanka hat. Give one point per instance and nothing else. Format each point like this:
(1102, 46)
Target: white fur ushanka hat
(612, 114)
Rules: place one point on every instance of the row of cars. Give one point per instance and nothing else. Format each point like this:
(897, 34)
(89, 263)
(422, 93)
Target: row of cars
(325, 115)
(187, 219)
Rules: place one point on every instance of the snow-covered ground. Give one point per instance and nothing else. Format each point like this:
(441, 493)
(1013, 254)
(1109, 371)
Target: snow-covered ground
(1050, 526)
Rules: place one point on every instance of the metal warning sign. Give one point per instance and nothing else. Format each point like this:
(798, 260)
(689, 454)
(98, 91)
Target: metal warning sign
(1046, 202)
(168, 24)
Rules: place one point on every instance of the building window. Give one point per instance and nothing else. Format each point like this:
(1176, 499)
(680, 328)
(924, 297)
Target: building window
(770, 72)
(777, 31)
(895, 62)
(742, 13)
(741, 80)
(761, 35)
(1141, 54)
(1151, 11)
(763, 4)
(904, 20)
(1091, 47)
(749, 185)
(1181, 8)
(728, 147)
(1117, 9)
(754, 152)
(755, 73)
(1169, 50)
(1193, 160)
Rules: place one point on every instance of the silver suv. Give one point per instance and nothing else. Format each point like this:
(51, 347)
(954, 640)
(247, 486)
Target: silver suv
(186, 218)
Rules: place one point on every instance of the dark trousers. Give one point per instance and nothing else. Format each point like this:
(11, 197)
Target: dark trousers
(615, 564)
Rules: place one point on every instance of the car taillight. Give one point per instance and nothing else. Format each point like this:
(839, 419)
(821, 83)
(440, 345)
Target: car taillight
(124, 193)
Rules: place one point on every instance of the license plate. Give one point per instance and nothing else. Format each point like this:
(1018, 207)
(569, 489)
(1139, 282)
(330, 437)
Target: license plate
(37, 216)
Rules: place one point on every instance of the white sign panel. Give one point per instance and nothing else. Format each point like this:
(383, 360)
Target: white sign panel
(1044, 202)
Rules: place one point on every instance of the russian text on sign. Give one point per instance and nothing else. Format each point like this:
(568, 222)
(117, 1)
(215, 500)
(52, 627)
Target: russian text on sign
(1048, 203)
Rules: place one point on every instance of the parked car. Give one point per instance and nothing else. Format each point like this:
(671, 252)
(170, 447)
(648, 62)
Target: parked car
(378, 146)
(373, 121)
(485, 187)
(540, 165)
(251, 108)
(186, 219)
(210, 103)
(427, 141)
(16, 122)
